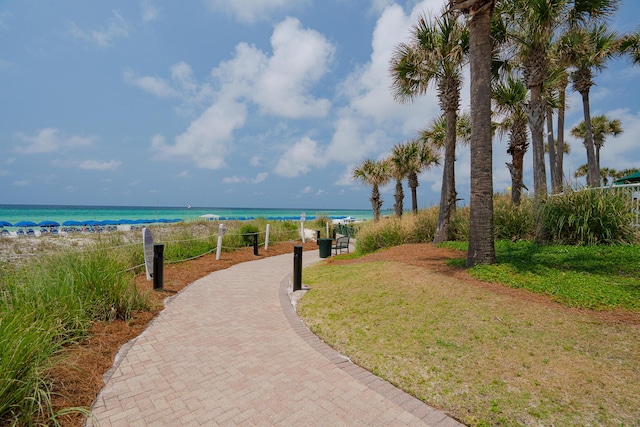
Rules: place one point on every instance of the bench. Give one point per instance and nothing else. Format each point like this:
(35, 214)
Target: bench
(342, 243)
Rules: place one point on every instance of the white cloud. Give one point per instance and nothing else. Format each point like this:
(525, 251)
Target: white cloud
(300, 59)
(307, 190)
(99, 165)
(280, 84)
(150, 11)
(206, 141)
(21, 183)
(255, 161)
(118, 28)
(253, 10)
(300, 158)
(153, 85)
(261, 177)
(49, 140)
(181, 84)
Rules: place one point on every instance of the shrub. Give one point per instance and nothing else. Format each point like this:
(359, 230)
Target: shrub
(589, 217)
(247, 231)
(513, 222)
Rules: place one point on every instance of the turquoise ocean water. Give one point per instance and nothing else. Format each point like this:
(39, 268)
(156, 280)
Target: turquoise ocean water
(38, 213)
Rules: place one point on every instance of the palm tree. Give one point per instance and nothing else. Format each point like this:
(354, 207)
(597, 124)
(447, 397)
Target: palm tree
(412, 158)
(509, 96)
(630, 45)
(589, 50)
(601, 127)
(481, 236)
(374, 173)
(435, 55)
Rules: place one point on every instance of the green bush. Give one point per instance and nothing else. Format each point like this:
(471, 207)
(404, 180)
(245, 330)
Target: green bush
(513, 222)
(589, 217)
(247, 231)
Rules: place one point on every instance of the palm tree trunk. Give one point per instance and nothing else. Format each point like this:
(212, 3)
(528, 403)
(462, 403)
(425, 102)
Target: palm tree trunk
(376, 203)
(553, 154)
(593, 175)
(535, 111)
(448, 193)
(413, 184)
(560, 142)
(481, 243)
(399, 205)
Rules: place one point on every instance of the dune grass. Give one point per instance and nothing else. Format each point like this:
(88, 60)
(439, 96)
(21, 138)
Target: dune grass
(484, 358)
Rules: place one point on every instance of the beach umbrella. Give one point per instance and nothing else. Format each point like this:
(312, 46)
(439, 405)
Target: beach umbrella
(89, 222)
(48, 224)
(5, 224)
(71, 223)
(25, 224)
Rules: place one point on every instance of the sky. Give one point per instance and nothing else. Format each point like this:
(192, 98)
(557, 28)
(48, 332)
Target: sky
(234, 103)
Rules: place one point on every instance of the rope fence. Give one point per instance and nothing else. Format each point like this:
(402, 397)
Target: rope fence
(19, 250)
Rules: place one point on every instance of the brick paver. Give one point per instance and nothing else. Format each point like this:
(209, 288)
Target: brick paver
(229, 350)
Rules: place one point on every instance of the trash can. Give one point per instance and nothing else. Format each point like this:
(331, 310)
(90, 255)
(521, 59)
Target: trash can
(324, 246)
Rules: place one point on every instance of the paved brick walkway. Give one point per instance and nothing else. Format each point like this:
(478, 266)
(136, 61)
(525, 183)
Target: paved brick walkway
(229, 350)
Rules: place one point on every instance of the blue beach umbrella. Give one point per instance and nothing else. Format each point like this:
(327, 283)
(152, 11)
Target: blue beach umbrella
(5, 224)
(71, 223)
(48, 224)
(25, 224)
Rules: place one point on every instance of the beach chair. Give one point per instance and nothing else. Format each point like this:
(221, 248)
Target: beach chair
(30, 232)
(5, 233)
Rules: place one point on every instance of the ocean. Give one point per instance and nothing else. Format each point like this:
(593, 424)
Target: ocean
(60, 213)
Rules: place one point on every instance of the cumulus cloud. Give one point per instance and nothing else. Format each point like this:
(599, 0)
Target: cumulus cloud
(206, 141)
(100, 165)
(150, 11)
(253, 10)
(49, 140)
(300, 158)
(280, 84)
(118, 28)
(261, 177)
(153, 85)
(181, 84)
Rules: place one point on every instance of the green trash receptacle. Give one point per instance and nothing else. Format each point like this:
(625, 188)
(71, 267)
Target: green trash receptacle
(324, 246)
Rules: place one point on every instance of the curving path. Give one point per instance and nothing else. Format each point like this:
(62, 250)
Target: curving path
(230, 350)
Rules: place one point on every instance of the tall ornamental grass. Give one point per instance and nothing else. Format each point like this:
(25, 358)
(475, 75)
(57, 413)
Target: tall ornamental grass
(513, 222)
(589, 217)
(47, 304)
(419, 228)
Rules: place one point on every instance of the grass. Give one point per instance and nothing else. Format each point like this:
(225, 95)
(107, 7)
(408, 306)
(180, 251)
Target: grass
(485, 358)
(592, 277)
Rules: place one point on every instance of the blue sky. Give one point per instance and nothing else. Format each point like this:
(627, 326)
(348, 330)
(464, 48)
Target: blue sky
(232, 103)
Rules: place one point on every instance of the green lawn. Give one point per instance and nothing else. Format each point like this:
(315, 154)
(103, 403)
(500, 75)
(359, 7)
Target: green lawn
(487, 358)
(594, 277)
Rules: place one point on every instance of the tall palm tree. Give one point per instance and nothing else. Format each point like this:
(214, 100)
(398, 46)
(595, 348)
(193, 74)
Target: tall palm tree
(509, 96)
(435, 55)
(481, 228)
(589, 49)
(601, 127)
(373, 173)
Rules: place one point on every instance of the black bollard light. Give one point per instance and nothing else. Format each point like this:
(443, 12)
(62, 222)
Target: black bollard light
(297, 268)
(255, 244)
(317, 236)
(158, 267)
